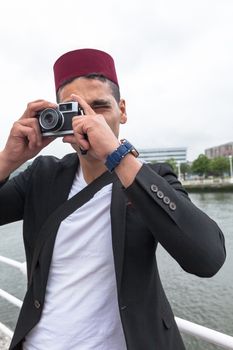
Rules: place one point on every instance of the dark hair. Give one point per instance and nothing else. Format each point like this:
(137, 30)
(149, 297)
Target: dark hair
(114, 88)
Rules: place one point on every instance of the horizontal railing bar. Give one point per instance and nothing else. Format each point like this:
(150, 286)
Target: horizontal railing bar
(210, 335)
(14, 263)
(5, 330)
(13, 300)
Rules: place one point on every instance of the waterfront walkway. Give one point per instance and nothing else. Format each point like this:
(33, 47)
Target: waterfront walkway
(208, 185)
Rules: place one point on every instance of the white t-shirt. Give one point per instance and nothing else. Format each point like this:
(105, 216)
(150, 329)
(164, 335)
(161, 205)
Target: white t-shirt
(81, 309)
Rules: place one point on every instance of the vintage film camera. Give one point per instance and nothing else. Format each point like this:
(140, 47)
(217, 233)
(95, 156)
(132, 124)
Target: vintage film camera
(58, 122)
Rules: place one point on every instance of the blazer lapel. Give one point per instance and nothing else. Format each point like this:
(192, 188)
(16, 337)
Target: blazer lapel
(62, 181)
(118, 221)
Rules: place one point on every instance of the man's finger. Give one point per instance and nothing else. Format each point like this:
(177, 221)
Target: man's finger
(86, 107)
(34, 107)
(33, 124)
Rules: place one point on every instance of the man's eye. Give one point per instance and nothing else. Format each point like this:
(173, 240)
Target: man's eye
(101, 107)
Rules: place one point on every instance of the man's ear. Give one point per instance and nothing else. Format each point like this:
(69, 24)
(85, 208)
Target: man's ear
(122, 106)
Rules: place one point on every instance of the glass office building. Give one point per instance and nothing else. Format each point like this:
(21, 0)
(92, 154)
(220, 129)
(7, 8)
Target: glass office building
(179, 154)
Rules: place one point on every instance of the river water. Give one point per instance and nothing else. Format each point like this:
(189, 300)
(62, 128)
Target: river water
(208, 302)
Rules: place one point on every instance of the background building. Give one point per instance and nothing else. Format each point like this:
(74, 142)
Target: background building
(225, 150)
(179, 154)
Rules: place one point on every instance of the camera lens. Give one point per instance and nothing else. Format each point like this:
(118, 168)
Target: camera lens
(51, 119)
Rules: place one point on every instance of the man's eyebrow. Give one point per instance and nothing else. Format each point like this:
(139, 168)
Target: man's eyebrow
(100, 102)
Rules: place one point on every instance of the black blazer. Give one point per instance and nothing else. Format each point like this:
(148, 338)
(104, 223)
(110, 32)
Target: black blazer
(154, 209)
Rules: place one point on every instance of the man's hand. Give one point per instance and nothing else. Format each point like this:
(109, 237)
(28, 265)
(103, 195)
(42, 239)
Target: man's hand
(92, 133)
(25, 140)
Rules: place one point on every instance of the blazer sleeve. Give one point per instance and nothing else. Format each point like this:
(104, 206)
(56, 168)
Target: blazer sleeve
(12, 195)
(190, 236)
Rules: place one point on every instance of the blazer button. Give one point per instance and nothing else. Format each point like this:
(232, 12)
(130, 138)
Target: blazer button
(166, 200)
(160, 194)
(154, 188)
(123, 307)
(172, 206)
(37, 304)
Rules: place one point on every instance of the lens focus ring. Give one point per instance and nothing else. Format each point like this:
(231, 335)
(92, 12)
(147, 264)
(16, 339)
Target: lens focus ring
(51, 119)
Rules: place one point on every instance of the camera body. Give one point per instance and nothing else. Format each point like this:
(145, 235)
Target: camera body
(58, 121)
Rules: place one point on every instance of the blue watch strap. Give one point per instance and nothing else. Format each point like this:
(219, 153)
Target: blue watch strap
(116, 156)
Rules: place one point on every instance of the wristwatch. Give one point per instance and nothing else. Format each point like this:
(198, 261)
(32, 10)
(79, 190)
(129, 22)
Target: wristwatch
(116, 156)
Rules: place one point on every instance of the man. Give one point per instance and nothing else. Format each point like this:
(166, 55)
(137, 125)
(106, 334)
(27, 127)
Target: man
(93, 278)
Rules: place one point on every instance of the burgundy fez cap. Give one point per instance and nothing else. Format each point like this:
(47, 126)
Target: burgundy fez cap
(78, 63)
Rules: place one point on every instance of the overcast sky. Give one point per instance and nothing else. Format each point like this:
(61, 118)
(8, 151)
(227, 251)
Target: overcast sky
(173, 57)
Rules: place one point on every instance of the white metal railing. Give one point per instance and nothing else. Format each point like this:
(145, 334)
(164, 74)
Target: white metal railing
(207, 334)
(21, 266)
(9, 297)
(5, 330)
(214, 337)
(13, 300)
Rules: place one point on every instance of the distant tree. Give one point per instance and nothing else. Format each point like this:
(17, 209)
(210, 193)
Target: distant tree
(201, 165)
(173, 164)
(185, 168)
(219, 166)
